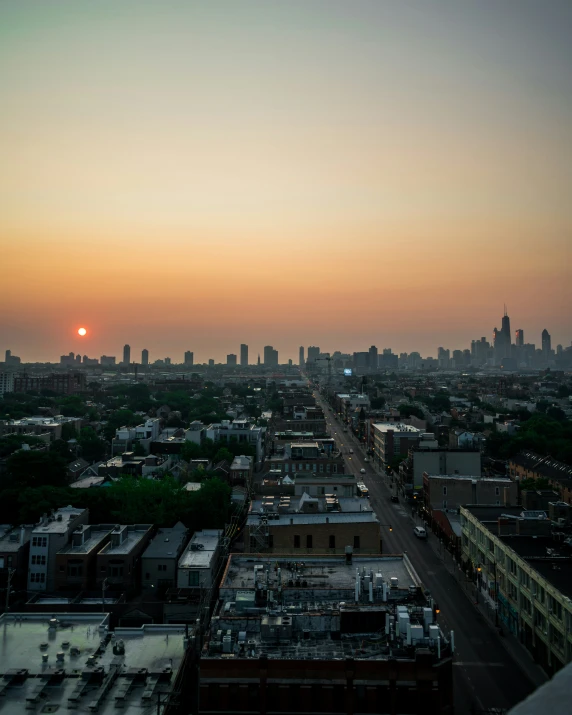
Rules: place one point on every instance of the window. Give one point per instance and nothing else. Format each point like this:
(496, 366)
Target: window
(309, 541)
(332, 541)
(147, 576)
(296, 541)
(497, 491)
(356, 542)
(40, 541)
(37, 577)
(444, 503)
(75, 568)
(38, 559)
(194, 578)
(270, 541)
(444, 491)
(162, 567)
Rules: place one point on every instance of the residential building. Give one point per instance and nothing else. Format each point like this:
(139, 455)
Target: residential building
(144, 434)
(231, 360)
(525, 574)
(241, 470)
(11, 360)
(145, 357)
(119, 561)
(301, 356)
(391, 440)
(6, 382)
(107, 360)
(243, 355)
(310, 525)
(305, 457)
(238, 431)
(189, 358)
(47, 538)
(373, 358)
(126, 354)
(76, 561)
(546, 345)
(45, 667)
(14, 556)
(64, 383)
(303, 618)
(318, 485)
(530, 465)
(313, 354)
(199, 565)
(160, 559)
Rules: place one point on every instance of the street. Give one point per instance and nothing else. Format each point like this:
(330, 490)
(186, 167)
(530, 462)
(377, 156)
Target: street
(485, 675)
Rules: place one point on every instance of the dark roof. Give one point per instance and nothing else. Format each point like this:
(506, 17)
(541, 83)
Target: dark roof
(492, 513)
(546, 466)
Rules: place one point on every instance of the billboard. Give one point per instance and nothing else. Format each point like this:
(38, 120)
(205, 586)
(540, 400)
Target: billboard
(347, 371)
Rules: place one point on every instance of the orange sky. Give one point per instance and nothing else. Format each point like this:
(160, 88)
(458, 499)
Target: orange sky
(193, 176)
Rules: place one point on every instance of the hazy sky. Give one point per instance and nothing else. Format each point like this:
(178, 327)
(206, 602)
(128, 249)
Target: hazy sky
(192, 175)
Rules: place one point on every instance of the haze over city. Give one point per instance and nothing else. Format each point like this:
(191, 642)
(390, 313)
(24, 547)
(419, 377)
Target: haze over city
(194, 175)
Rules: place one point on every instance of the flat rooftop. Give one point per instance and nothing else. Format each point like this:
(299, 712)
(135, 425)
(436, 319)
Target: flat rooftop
(27, 682)
(322, 573)
(167, 542)
(60, 522)
(134, 536)
(205, 545)
(95, 539)
(492, 513)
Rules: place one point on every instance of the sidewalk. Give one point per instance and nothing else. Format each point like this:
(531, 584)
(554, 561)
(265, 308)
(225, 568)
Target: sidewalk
(486, 608)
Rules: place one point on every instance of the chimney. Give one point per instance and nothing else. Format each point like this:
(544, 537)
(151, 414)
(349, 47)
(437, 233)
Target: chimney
(22, 534)
(506, 492)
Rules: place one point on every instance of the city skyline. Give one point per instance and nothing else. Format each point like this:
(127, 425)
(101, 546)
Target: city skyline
(352, 170)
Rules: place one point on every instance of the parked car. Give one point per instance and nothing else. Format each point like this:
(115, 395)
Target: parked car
(420, 532)
(366, 459)
(351, 451)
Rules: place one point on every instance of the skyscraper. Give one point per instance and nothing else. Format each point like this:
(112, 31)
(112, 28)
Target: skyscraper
(243, 355)
(519, 338)
(301, 356)
(373, 358)
(189, 358)
(126, 354)
(313, 354)
(144, 357)
(270, 356)
(231, 359)
(546, 343)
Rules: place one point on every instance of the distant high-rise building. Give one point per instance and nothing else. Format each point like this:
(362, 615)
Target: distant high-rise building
(189, 358)
(546, 343)
(126, 354)
(505, 326)
(8, 355)
(270, 356)
(313, 353)
(519, 338)
(231, 359)
(109, 360)
(78, 358)
(243, 355)
(258, 363)
(290, 361)
(167, 361)
(211, 362)
(443, 357)
(301, 360)
(144, 357)
(12, 359)
(373, 358)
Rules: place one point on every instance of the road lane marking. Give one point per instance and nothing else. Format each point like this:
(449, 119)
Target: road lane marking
(478, 664)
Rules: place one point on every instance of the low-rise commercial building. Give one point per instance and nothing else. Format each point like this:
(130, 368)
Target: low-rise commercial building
(390, 440)
(198, 566)
(326, 634)
(450, 491)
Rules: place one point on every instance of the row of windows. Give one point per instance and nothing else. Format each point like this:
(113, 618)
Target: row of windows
(331, 541)
(37, 577)
(40, 541)
(306, 467)
(39, 559)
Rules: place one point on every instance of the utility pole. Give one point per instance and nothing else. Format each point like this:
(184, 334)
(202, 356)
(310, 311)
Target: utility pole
(9, 578)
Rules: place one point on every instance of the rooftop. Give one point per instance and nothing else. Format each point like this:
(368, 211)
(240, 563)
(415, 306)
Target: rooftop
(167, 542)
(59, 522)
(134, 534)
(395, 427)
(74, 653)
(96, 535)
(200, 550)
(549, 557)
(492, 513)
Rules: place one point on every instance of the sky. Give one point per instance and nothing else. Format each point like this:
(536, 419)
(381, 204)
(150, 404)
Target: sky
(188, 175)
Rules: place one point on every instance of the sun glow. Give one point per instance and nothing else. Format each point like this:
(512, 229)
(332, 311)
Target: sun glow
(82, 332)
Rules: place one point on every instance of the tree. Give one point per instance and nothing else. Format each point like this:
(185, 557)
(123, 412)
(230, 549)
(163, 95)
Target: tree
(92, 447)
(377, 403)
(409, 410)
(68, 431)
(34, 469)
(60, 447)
(223, 454)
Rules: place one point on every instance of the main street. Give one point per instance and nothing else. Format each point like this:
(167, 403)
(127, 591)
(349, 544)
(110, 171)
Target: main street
(485, 676)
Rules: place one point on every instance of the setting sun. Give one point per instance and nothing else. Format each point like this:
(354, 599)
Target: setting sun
(82, 332)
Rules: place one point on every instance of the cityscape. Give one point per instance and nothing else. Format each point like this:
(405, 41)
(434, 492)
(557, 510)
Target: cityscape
(285, 357)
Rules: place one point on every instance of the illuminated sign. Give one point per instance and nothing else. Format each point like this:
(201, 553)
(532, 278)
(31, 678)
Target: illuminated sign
(347, 371)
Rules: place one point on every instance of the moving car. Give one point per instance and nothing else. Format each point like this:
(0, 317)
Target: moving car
(394, 498)
(351, 451)
(362, 471)
(362, 490)
(420, 532)
(366, 459)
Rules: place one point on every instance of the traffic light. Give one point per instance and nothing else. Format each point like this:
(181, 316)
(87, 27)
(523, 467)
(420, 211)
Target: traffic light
(390, 527)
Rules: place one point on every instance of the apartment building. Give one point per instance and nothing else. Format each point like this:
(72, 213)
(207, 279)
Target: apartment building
(14, 556)
(6, 382)
(75, 563)
(239, 431)
(160, 558)
(198, 565)
(427, 456)
(49, 428)
(305, 457)
(144, 434)
(525, 574)
(450, 491)
(47, 538)
(63, 383)
(391, 440)
(118, 562)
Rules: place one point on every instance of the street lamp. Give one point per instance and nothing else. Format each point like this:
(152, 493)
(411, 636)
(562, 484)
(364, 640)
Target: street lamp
(479, 570)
